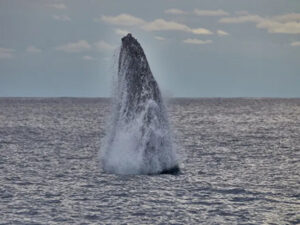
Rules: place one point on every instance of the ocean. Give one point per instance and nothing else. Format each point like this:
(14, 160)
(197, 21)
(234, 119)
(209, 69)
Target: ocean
(239, 160)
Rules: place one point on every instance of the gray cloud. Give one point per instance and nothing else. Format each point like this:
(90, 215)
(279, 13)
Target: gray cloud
(6, 53)
(222, 33)
(122, 20)
(74, 47)
(104, 46)
(88, 58)
(174, 11)
(60, 6)
(295, 43)
(121, 32)
(287, 23)
(242, 19)
(197, 41)
(33, 49)
(160, 38)
(155, 25)
(197, 12)
(63, 18)
(218, 12)
(161, 24)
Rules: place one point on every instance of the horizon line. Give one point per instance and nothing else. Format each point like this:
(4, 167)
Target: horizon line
(165, 97)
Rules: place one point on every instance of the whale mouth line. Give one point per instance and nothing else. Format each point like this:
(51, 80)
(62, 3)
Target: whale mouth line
(139, 140)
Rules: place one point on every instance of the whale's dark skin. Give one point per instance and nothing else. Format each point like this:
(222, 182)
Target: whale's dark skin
(139, 96)
(140, 80)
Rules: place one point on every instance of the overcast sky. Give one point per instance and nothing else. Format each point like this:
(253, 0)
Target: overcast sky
(195, 48)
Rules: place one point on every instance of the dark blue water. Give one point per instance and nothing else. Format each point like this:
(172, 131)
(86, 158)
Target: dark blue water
(240, 162)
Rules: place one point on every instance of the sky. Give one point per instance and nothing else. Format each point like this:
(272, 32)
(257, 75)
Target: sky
(195, 48)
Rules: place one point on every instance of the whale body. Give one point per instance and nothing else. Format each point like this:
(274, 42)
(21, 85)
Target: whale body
(139, 140)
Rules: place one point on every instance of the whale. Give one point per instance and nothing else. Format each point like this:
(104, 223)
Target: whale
(139, 140)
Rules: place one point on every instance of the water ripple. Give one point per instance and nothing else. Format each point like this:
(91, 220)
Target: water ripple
(239, 160)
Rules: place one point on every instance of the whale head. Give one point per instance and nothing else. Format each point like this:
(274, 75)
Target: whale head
(135, 75)
(132, 55)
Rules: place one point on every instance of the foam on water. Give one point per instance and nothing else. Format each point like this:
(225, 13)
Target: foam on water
(139, 139)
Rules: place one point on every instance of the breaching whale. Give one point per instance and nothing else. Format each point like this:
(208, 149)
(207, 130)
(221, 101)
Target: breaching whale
(139, 140)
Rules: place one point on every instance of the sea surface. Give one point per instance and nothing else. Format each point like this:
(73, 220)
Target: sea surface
(240, 164)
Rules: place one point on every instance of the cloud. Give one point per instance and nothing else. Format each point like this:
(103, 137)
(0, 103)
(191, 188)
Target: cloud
(121, 32)
(160, 38)
(33, 49)
(276, 27)
(201, 31)
(57, 6)
(288, 17)
(218, 12)
(63, 18)
(295, 43)
(174, 11)
(161, 24)
(74, 47)
(155, 25)
(83, 45)
(88, 58)
(104, 46)
(122, 19)
(242, 19)
(222, 33)
(198, 12)
(242, 12)
(286, 24)
(6, 53)
(197, 41)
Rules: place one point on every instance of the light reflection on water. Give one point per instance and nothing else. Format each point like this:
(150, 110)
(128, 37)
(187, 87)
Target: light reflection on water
(240, 165)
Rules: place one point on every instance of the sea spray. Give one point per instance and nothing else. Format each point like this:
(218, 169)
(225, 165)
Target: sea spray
(139, 139)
